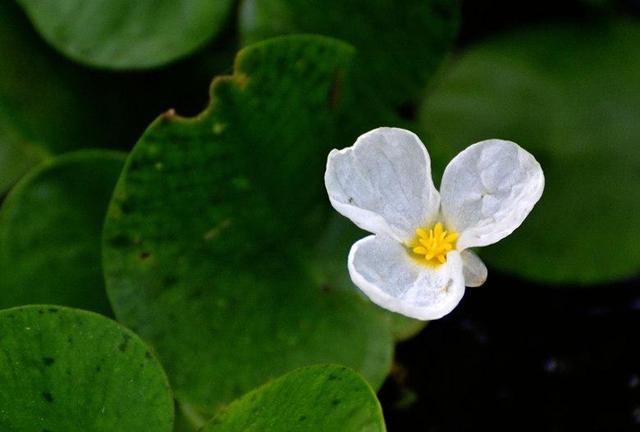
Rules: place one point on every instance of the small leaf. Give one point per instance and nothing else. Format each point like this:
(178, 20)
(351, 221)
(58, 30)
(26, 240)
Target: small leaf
(576, 109)
(50, 230)
(124, 34)
(69, 370)
(211, 222)
(322, 398)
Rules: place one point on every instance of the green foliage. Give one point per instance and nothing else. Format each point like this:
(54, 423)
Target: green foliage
(124, 34)
(208, 235)
(569, 95)
(399, 44)
(50, 230)
(68, 370)
(38, 97)
(321, 398)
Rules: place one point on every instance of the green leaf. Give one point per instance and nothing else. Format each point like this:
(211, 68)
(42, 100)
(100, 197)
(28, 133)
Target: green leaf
(53, 220)
(124, 34)
(576, 110)
(69, 370)
(15, 159)
(399, 45)
(316, 398)
(209, 231)
(46, 106)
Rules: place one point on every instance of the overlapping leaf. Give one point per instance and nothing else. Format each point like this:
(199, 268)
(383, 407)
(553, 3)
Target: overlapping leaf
(124, 34)
(321, 398)
(69, 370)
(50, 231)
(208, 236)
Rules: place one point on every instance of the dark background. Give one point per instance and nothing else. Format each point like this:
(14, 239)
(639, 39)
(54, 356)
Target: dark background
(557, 358)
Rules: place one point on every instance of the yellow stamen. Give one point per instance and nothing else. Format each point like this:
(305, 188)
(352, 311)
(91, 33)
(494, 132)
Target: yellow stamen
(419, 250)
(451, 237)
(432, 245)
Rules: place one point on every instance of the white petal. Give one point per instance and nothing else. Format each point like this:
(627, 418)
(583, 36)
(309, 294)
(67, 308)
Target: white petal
(383, 183)
(383, 269)
(474, 270)
(488, 190)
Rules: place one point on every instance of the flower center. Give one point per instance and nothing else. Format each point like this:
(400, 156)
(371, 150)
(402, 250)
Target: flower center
(432, 245)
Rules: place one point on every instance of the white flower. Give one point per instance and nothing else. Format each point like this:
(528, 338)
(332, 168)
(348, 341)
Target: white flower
(418, 262)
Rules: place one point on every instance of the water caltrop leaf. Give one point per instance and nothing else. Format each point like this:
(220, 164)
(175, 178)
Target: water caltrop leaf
(322, 398)
(393, 65)
(53, 219)
(124, 34)
(69, 370)
(576, 110)
(206, 236)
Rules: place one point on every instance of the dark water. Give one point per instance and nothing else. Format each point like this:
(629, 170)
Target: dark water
(518, 357)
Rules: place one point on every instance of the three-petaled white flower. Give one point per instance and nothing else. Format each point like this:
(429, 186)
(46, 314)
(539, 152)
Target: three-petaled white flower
(418, 262)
